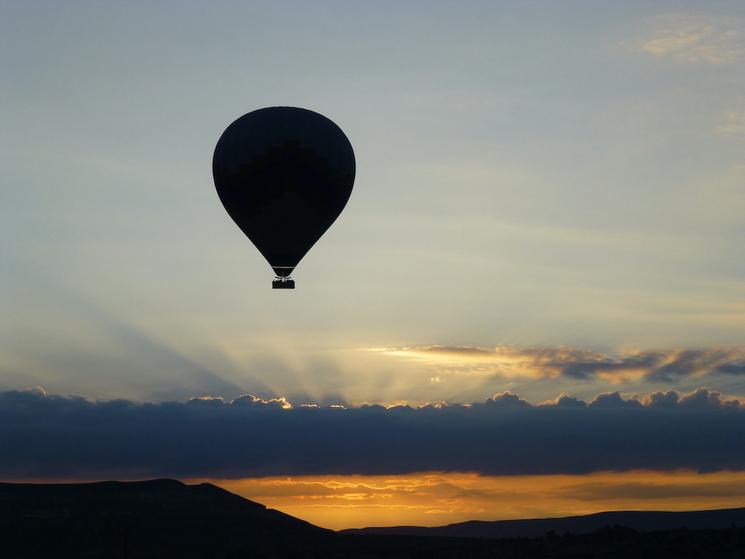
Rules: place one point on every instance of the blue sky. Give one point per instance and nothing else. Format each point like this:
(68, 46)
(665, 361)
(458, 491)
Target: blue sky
(529, 175)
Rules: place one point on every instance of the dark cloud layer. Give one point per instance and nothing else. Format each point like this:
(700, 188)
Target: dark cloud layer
(67, 437)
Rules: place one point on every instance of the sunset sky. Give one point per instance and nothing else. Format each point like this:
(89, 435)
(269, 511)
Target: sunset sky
(532, 305)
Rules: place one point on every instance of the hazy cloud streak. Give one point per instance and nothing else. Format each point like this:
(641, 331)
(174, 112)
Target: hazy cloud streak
(696, 39)
(577, 363)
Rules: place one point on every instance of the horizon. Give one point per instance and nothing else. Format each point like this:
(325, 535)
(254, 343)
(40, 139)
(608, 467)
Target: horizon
(292, 508)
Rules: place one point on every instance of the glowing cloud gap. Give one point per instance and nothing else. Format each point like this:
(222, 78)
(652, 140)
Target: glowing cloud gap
(438, 498)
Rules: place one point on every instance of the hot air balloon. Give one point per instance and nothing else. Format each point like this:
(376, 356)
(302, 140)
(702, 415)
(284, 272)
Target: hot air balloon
(284, 175)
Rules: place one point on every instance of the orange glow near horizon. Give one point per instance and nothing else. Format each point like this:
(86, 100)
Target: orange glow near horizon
(434, 499)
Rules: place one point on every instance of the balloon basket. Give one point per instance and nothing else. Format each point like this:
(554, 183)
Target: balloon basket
(283, 283)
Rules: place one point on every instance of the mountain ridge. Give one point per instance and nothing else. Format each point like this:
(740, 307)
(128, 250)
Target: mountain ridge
(642, 521)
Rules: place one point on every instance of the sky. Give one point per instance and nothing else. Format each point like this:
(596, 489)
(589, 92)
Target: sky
(549, 208)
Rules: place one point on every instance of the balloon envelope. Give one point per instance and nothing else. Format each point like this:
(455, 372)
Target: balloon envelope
(284, 175)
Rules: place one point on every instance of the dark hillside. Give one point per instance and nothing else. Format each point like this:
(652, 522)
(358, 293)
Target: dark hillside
(640, 521)
(168, 519)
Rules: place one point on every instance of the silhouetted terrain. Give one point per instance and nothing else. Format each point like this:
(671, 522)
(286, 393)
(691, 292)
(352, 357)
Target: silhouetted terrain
(641, 521)
(158, 518)
(166, 518)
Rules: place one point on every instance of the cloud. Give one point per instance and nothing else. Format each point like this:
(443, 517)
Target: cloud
(613, 400)
(506, 400)
(45, 436)
(575, 363)
(564, 400)
(691, 486)
(692, 362)
(695, 39)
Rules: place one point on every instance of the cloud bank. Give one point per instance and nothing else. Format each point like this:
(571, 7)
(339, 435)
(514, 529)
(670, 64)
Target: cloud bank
(45, 437)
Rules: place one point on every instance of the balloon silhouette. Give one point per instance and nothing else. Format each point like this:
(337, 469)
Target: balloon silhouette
(284, 175)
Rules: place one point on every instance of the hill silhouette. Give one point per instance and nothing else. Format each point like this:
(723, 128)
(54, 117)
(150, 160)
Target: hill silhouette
(167, 518)
(641, 521)
(163, 517)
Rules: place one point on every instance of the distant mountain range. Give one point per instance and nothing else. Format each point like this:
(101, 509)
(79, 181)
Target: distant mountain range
(167, 518)
(641, 521)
